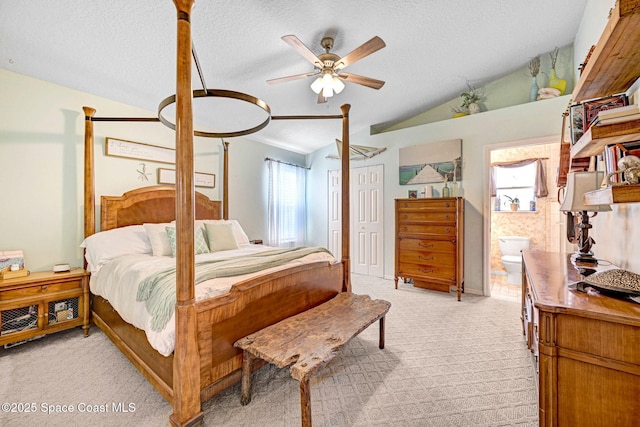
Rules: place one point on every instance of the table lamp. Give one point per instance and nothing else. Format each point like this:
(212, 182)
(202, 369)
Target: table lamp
(579, 183)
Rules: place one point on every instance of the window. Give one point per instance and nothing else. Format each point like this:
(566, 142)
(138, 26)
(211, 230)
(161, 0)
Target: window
(517, 183)
(286, 204)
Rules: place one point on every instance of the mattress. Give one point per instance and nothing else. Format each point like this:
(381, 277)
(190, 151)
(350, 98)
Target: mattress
(117, 281)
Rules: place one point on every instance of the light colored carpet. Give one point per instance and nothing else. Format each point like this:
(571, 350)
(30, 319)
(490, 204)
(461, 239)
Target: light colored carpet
(446, 363)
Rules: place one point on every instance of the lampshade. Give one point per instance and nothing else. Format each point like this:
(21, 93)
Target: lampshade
(317, 84)
(327, 84)
(579, 183)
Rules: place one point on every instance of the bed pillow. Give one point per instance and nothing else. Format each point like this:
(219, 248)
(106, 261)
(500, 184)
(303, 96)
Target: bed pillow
(106, 245)
(220, 236)
(238, 233)
(199, 244)
(159, 239)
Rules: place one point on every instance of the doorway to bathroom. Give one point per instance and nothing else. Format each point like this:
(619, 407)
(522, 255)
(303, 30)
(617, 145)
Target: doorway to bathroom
(518, 214)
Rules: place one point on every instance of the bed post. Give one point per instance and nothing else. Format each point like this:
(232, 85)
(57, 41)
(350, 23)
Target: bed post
(346, 283)
(225, 181)
(187, 408)
(89, 180)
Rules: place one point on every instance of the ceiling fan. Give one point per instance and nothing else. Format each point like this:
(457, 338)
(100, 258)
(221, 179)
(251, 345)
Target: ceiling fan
(328, 66)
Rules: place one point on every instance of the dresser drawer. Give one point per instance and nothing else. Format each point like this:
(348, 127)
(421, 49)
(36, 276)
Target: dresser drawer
(428, 258)
(412, 216)
(427, 245)
(427, 205)
(441, 230)
(37, 290)
(443, 272)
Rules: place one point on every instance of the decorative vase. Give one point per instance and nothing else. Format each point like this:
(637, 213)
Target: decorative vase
(445, 190)
(557, 83)
(533, 93)
(474, 108)
(460, 114)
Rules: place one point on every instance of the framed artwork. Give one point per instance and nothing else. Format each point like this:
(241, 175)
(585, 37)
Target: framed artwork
(432, 162)
(137, 150)
(576, 122)
(591, 108)
(168, 176)
(413, 194)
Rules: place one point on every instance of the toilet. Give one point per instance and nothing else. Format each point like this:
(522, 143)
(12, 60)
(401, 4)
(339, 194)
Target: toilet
(510, 247)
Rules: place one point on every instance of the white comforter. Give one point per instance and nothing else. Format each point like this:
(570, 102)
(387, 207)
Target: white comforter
(117, 281)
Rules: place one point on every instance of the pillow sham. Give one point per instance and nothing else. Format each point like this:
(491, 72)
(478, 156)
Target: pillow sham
(199, 244)
(106, 245)
(220, 236)
(238, 233)
(158, 237)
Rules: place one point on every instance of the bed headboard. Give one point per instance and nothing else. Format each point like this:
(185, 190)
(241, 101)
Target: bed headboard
(150, 204)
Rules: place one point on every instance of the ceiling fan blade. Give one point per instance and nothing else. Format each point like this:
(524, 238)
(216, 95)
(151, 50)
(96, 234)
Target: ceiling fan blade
(302, 49)
(321, 99)
(361, 80)
(289, 78)
(358, 53)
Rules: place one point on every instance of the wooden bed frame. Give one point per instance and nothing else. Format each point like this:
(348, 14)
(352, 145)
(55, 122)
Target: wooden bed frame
(204, 361)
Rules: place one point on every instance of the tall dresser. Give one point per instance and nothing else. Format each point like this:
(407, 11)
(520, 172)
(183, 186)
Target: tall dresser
(430, 243)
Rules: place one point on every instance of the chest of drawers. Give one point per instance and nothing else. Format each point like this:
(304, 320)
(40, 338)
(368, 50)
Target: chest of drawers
(430, 243)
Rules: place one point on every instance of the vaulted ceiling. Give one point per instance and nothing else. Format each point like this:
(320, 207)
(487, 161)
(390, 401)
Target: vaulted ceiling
(125, 51)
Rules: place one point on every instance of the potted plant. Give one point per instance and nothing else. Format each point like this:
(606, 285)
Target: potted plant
(470, 99)
(514, 202)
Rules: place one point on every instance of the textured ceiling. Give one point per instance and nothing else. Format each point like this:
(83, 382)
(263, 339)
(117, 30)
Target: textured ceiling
(125, 50)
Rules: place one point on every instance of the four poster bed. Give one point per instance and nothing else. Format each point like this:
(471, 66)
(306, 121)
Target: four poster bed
(203, 360)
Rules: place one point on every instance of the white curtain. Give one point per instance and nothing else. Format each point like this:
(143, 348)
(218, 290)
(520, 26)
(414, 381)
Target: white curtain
(286, 205)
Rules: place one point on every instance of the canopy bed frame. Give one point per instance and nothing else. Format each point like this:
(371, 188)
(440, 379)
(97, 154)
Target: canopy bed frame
(204, 361)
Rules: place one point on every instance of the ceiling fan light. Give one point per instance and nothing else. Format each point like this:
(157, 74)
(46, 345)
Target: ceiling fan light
(317, 84)
(337, 85)
(327, 91)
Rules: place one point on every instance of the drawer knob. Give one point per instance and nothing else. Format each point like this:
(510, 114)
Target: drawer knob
(431, 270)
(406, 216)
(43, 288)
(448, 204)
(447, 217)
(425, 259)
(422, 245)
(447, 230)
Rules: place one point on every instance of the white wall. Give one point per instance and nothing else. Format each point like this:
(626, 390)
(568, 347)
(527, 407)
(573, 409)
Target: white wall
(41, 167)
(530, 120)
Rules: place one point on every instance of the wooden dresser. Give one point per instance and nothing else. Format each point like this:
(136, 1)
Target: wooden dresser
(586, 347)
(430, 243)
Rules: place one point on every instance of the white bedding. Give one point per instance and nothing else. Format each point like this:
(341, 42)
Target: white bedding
(117, 281)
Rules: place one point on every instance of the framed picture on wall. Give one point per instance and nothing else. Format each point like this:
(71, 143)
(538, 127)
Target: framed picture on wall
(168, 176)
(431, 162)
(137, 150)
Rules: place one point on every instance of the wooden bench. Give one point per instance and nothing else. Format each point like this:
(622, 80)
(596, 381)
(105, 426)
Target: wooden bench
(310, 340)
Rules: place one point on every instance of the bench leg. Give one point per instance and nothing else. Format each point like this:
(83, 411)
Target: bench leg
(247, 368)
(305, 402)
(381, 344)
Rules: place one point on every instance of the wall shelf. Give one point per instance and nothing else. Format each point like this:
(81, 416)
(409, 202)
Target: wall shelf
(616, 194)
(597, 137)
(612, 68)
(615, 62)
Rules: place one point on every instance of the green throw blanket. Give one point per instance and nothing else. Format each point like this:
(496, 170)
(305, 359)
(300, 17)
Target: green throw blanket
(159, 290)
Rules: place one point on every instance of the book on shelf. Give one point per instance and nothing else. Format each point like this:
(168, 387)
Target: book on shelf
(617, 115)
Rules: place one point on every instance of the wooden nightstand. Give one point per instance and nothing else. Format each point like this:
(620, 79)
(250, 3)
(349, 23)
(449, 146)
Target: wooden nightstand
(42, 303)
